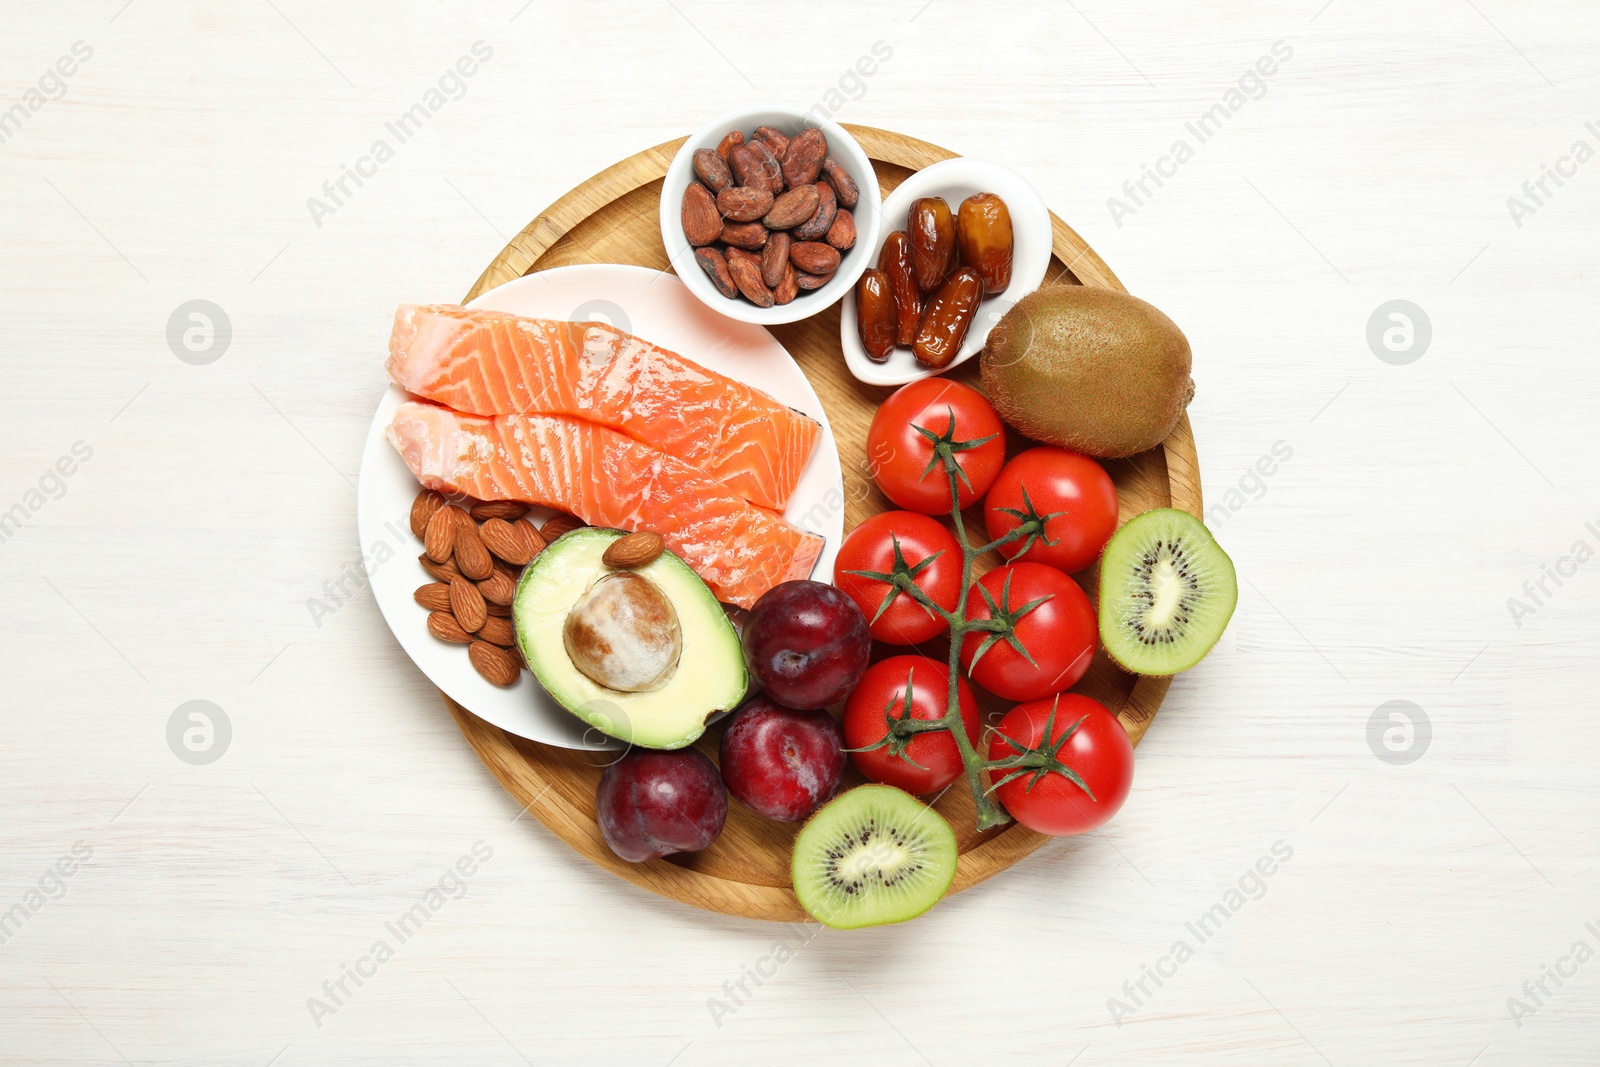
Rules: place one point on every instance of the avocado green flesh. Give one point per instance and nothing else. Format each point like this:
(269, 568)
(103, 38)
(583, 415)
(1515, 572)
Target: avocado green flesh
(710, 676)
(1167, 591)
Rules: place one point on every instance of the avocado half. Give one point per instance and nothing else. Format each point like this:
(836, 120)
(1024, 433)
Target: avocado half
(710, 675)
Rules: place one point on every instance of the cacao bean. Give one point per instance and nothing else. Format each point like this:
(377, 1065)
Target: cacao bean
(842, 183)
(775, 139)
(775, 258)
(816, 227)
(788, 286)
(713, 170)
(746, 166)
(702, 222)
(814, 257)
(715, 264)
(743, 203)
(750, 236)
(842, 234)
(771, 169)
(746, 271)
(811, 281)
(803, 162)
(793, 208)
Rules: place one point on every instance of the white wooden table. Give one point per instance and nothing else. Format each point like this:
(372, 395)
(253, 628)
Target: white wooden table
(209, 505)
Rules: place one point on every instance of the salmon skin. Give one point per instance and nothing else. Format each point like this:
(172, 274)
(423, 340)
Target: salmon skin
(493, 363)
(606, 479)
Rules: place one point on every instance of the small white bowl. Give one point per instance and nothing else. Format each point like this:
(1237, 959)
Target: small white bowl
(841, 146)
(955, 180)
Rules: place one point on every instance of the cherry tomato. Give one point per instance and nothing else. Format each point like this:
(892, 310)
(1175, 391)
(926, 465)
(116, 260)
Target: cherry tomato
(899, 452)
(1052, 481)
(926, 549)
(1059, 633)
(881, 694)
(1096, 749)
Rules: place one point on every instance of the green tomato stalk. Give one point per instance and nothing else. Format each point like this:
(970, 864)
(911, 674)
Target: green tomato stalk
(1000, 626)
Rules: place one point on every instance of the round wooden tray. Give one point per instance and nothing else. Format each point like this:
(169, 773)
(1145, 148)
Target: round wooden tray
(612, 218)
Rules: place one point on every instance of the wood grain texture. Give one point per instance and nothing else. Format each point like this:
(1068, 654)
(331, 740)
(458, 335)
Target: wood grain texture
(612, 218)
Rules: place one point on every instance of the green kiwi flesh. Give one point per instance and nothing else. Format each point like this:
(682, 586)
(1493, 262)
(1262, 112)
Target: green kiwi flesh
(1167, 591)
(872, 856)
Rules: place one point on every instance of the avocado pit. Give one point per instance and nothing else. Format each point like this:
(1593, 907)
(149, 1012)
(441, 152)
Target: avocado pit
(624, 634)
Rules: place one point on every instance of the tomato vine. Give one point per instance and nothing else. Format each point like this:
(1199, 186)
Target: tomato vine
(1001, 626)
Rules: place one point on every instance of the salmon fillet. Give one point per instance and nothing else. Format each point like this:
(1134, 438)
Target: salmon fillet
(493, 363)
(606, 479)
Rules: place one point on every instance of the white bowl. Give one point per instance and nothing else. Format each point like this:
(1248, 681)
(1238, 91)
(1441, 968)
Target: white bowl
(955, 180)
(841, 146)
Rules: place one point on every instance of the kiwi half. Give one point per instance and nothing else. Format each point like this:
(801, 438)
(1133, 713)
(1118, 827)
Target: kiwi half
(1167, 591)
(872, 856)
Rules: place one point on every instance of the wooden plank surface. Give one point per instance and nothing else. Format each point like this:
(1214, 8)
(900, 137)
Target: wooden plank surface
(1382, 517)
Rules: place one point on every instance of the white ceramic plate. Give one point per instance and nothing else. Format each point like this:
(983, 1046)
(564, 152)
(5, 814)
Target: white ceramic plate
(955, 180)
(654, 306)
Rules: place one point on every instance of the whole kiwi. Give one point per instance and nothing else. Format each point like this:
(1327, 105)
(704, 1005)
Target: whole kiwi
(1093, 370)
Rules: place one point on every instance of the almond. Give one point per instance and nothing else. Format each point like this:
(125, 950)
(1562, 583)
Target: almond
(701, 220)
(561, 524)
(498, 610)
(443, 625)
(493, 663)
(529, 533)
(813, 257)
(466, 604)
(435, 596)
(422, 510)
(439, 539)
(742, 203)
(499, 587)
(634, 550)
(507, 541)
(499, 509)
(498, 631)
(472, 558)
(441, 571)
(514, 654)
